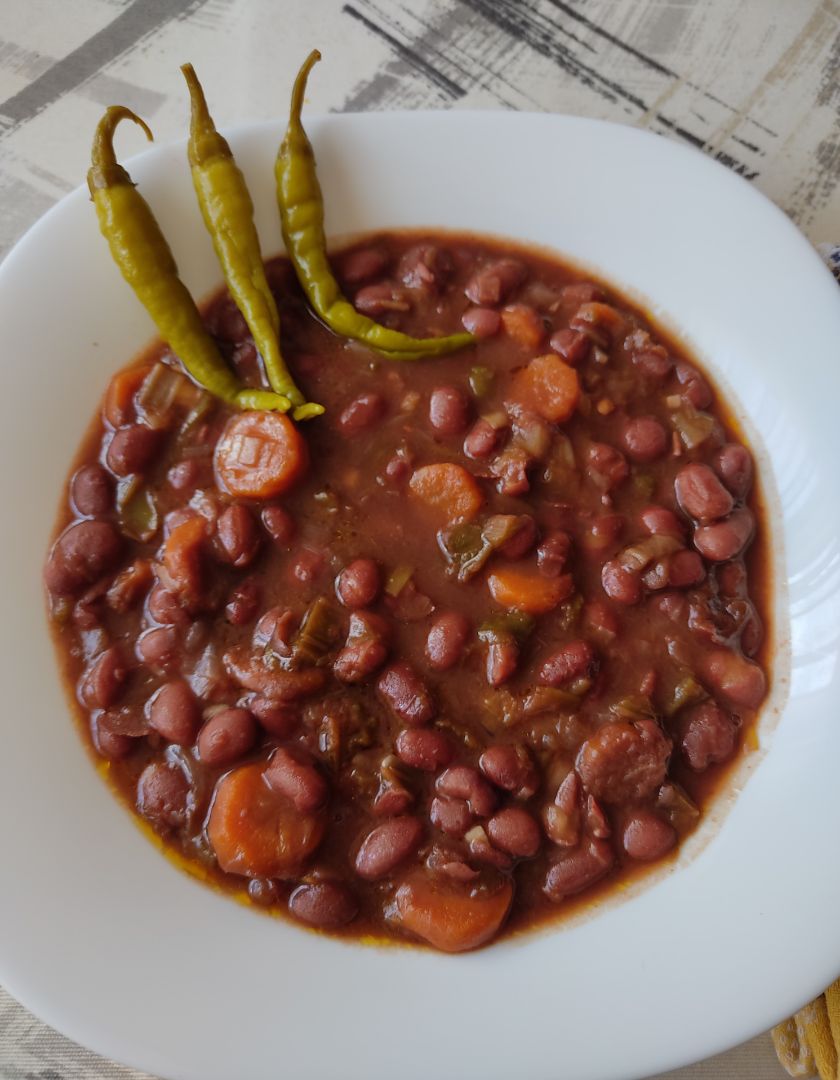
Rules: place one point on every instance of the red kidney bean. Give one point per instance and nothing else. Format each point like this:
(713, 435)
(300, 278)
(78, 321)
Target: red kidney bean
(624, 762)
(482, 439)
(602, 533)
(502, 660)
(238, 536)
(481, 321)
(185, 475)
(572, 345)
(696, 390)
(446, 640)
(654, 362)
(104, 680)
(424, 748)
(684, 569)
(406, 694)
(386, 846)
(515, 831)
(295, 777)
(741, 683)
(511, 471)
(481, 850)
(725, 539)
(732, 579)
(597, 823)
(164, 607)
(243, 603)
(424, 266)
(752, 634)
(228, 322)
(113, 745)
(709, 735)
(279, 524)
(448, 410)
(522, 540)
(361, 414)
(700, 494)
(553, 554)
(606, 466)
(511, 769)
(132, 448)
(362, 265)
(620, 583)
(495, 281)
(465, 782)
(582, 292)
(163, 795)
(393, 798)
(451, 816)
(174, 712)
(226, 737)
(325, 904)
(659, 521)
(357, 586)
(365, 650)
(158, 648)
(576, 869)
(278, 719)
(575, 660)
(647, 836)
(733, 464)
(91, 491)
(644, 439)
(381, 297)
(80, 556)
(263, 892)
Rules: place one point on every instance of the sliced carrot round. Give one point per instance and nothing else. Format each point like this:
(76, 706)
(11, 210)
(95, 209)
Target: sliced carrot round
(256, 831)
(523, 588)
(450, 916)
(449, 490)
(260, 455)
(548, 386)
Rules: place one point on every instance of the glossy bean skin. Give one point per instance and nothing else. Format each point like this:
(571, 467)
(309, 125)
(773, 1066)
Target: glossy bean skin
(174, 712)
(226, 737)
(701, 494)
(91, 491)
(424, 748)
(132, 449)
(725, 539)
(510, 768)
(325, 904)
(162, 795)
(387, 846)
(80, 556)
(406, 694)
(647, 836)
(578, 868)
(238, 536)
(446, 640)
(290, 774)
(515, 831)
(357, 586)
(361, 414)
(465, 782)
(104, 680)
(448, 410)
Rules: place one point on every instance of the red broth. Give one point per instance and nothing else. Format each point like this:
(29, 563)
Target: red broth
(489, 654)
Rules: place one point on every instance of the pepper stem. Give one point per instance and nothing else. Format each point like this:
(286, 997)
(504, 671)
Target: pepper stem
(105, 171)
(205, 141)
(300, 86)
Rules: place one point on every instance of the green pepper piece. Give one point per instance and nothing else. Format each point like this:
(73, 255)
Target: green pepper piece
(141, 252)
(302, 218)
(228, 214)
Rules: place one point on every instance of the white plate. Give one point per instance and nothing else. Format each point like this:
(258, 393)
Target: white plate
(108, 942)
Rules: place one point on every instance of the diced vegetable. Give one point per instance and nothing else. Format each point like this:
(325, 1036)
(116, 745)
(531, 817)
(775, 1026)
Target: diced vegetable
(120, 394)
(515, 624)
(548, 386)
(635, 707)
(547, 699)
(317, 634)
(260, 455)
(165, 394)
(468, 547)
(481, 380)
(694, 427)
(688, 691)
(398, 579)
(449, 490)
(521, 588)
(139, 516)
(638, 556)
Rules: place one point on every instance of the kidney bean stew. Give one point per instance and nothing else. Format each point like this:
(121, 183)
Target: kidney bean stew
(481, 637)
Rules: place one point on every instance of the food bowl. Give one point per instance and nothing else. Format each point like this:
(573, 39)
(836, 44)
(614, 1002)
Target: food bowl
(111, 944)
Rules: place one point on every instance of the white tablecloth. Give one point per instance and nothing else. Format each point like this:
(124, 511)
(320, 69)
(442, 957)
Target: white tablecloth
(752, 82)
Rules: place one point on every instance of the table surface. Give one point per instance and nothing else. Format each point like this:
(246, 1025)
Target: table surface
(752, 82)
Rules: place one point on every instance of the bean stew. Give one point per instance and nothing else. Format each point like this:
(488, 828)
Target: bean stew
(482, 638)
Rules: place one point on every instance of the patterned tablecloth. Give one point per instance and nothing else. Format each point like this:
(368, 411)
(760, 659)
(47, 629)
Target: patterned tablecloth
(754, 83)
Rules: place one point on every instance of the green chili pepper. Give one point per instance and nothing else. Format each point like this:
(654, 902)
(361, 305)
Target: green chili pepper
(302, 218)
(140, 250)
(228, 213)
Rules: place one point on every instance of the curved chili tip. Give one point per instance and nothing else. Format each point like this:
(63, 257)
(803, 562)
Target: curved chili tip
(205, 141)
(105, 171)
(299, 88)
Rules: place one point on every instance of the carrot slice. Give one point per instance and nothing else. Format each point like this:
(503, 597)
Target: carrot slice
(523, 588)
(181, 572)
(523, 324)
(446, 914)
(117, 406)
(449, 490)
(547, 386)
(260, 455)
(256, 831)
